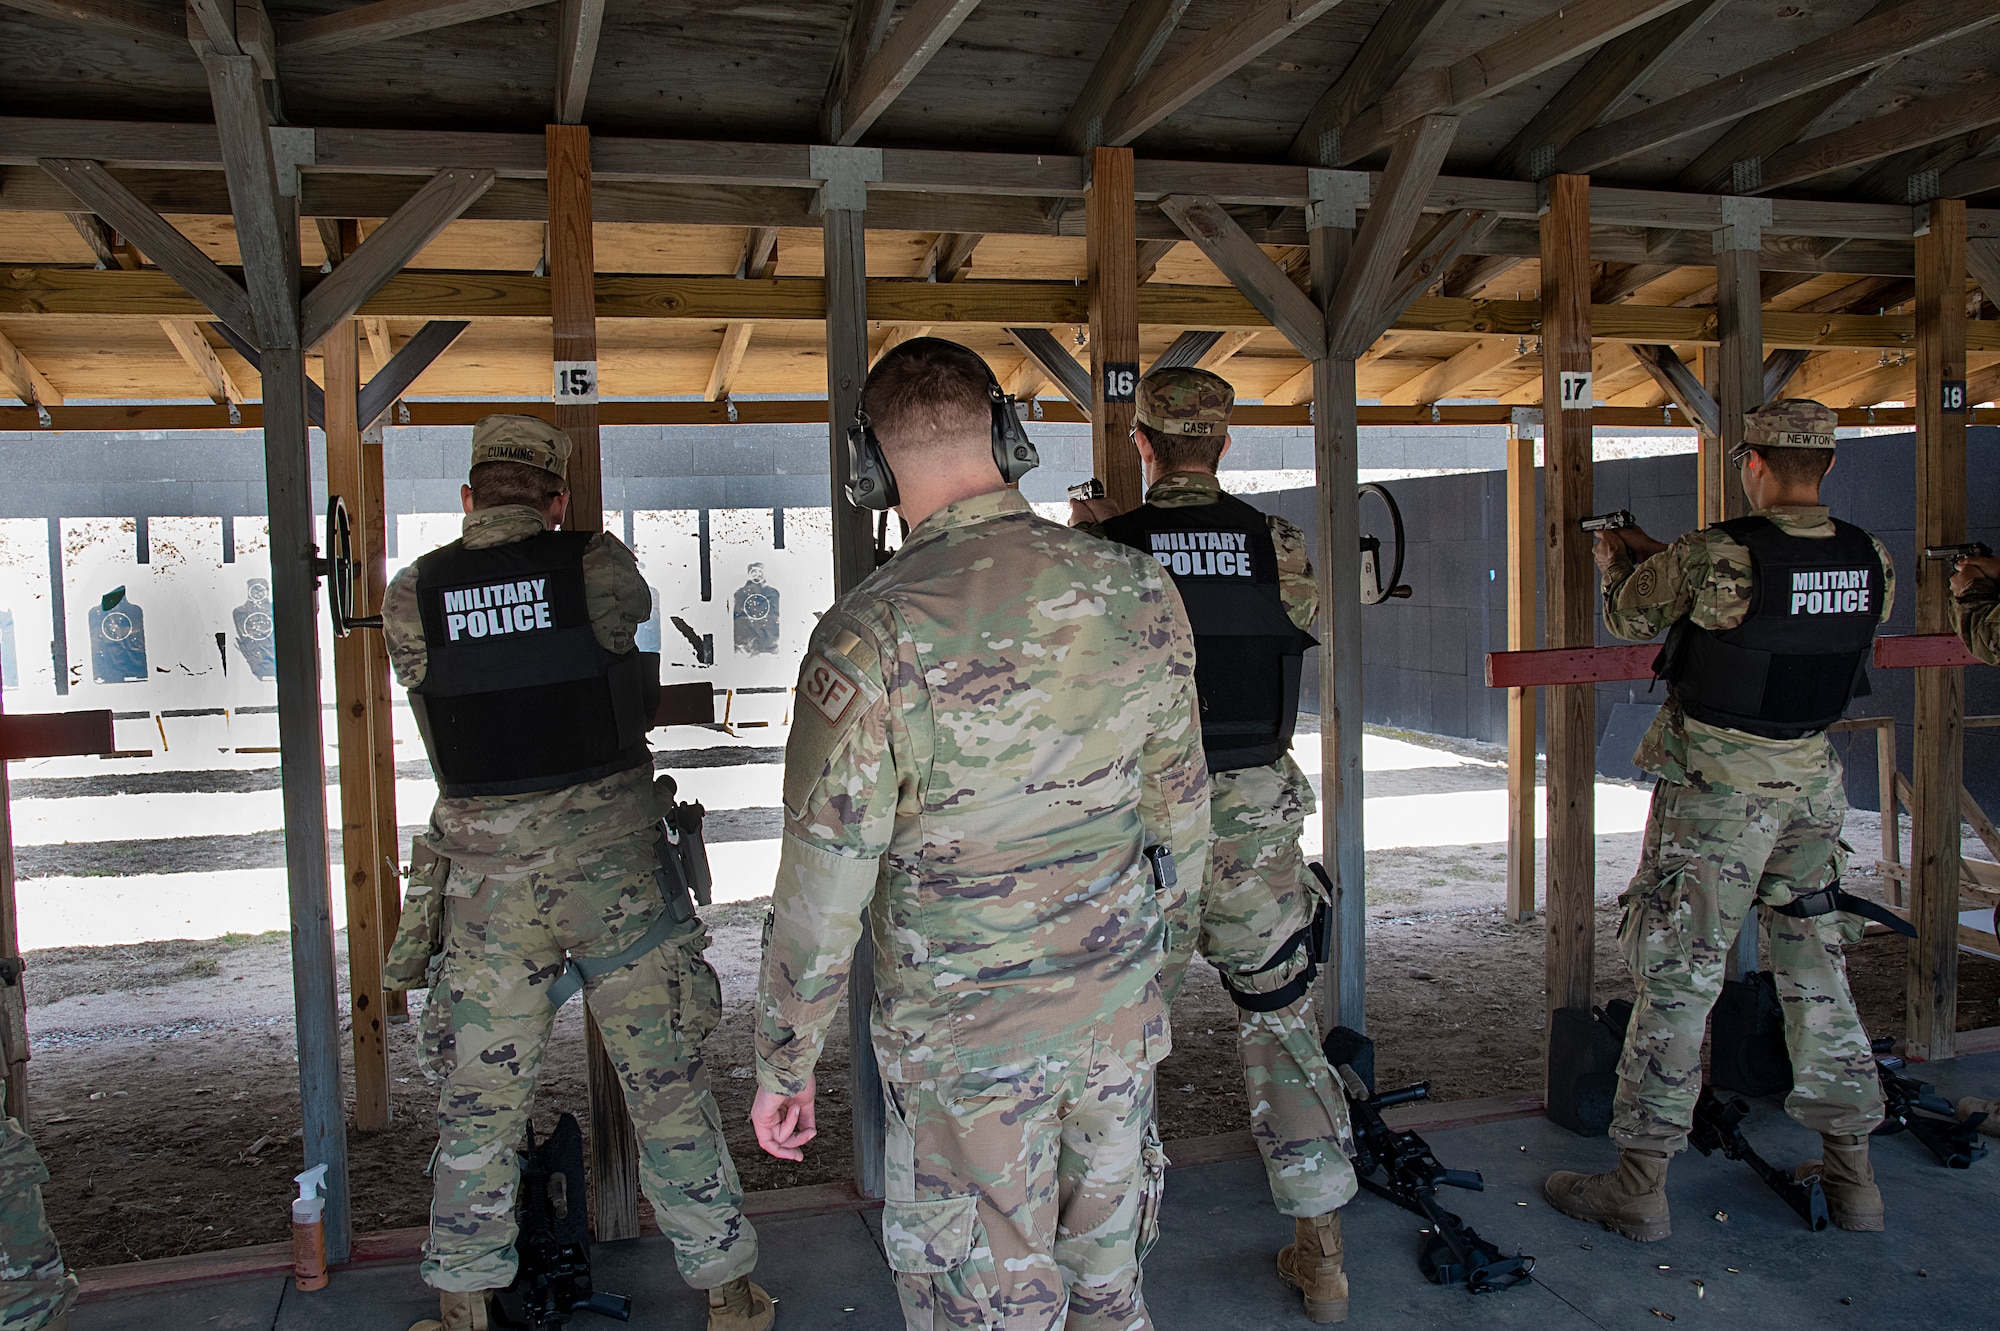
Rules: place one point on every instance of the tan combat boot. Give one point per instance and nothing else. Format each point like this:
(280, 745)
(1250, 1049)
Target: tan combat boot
(740, 1306)
(1630, 1200)
(1311, 1265)
(1848, 1181)
(457, 1312)
(1971, 1105)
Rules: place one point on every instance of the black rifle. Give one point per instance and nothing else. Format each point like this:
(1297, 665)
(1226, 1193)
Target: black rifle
(1410, 1176)
(1617, 521)
(1718, 1126)
(552, 1279)
(1911, 1106)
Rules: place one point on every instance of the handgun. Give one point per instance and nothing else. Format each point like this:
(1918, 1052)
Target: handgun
(1083, 490)
(1956, 553)
(1610, 521)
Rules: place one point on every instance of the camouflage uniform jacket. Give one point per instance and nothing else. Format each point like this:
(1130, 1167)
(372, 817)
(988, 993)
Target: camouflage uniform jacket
(988, 732)
(498, 835)
(1977, 615)
(1705, 575)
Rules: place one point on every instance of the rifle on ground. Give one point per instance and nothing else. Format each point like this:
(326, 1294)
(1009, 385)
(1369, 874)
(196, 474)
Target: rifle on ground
(1718, 1126)
(1911, 1106)
(1411, 1176)
(552, 1279)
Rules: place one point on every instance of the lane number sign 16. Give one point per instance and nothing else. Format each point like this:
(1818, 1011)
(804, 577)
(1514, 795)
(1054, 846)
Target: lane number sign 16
(1121, 381)
(576, 382)
(1575, 390)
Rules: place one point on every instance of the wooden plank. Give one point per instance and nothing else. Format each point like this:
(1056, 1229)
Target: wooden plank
(1112, 274)
(1226, 347)
(1520, 668)
(19, 374)
(1739, 361)
(894, 336)
(371, 520)
(1187, 349)
(686, 704)
(1982, 826)
(1441, 380)
(386, 21)
(1732, 158)
(760, 253)
(1973, 177)
(1911, 126)
(926, 25)
(406, 366)
(1617, 70)
(1522, 702)
(577, 32)
(1252, 271)
(1982, 263)
(442, 201)
(1571, 601)
(1681, 384)
(1394, 205)
(1135, 44)
(1387, 52)
(54, 735)
(1254, 28)
(1914, 651)
(187, 339)
(266, 220)
(1055, 365)
(1938, 743)
(1779, 367)
(217, 291)
(728, 360)
(1428, 260)
(354, 732)
(118, 17)
(1912, 26)
(950, 256)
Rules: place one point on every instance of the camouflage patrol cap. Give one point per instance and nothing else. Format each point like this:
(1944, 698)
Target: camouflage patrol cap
(1792, 422)
(525, 439)
(1185, 401)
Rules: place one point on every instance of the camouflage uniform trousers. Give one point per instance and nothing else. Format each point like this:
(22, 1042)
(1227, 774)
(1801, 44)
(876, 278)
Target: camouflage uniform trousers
(1029, 1204)
(505, 946)
(34, 1287)
(1709, 859)
(1256, 897)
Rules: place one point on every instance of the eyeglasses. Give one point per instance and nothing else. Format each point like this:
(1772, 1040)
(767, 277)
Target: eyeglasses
(1740, 454)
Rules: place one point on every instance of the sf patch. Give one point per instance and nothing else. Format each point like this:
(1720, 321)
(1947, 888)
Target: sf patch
(827, 689)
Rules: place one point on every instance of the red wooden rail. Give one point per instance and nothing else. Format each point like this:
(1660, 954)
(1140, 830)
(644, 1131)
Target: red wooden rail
(1569, 665)
(55, 734)
(1903, 650)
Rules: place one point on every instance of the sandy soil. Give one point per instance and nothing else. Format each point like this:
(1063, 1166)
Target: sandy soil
(163, 1090)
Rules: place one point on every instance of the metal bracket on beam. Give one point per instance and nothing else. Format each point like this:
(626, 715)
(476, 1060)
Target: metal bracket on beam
(1524, 417)
(1743, 223)
(844, 173)
(292, 148)
(1333, 197)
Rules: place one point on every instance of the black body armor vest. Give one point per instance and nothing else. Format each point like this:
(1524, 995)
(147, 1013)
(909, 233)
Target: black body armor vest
(1248, 653)
(1790, 668)
(518, 696)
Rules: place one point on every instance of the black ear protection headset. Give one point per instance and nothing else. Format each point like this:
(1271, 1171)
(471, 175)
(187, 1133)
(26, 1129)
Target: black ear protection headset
(872, 485)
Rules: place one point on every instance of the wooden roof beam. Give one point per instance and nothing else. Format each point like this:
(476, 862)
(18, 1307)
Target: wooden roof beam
(1680, 383)
(26, 382)
(950, 255)
(1982, 264)
(1055, 364)
(1474, 273)
(1969, 178)
(1150, 254)
(1912, 176)
(760, 253)
(1618, 69)
(1189, 348)
(217, 381)
(1136, 43)
(880, 74)
(1255, 27)
(1914, 126)
(1430, 258)
(1354, 316)
(1477, 361)
(1911, 26)
(1385, 55)
(442, 200)
(386, 21)
(1251, 271)
(1226, 348)
(119, 17)
(577, 31)
(728, 362)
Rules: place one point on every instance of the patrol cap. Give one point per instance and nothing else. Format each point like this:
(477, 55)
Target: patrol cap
(525, 439)
(1791, 422)
(1183, 400)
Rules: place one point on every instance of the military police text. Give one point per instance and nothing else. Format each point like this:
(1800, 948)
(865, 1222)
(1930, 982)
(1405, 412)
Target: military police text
(502, 607)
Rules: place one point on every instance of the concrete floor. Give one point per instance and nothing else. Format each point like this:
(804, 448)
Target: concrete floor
(1737, 1258)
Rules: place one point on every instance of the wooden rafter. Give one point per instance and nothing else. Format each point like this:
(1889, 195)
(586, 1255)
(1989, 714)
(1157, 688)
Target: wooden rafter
(894, 336)
(576, 52)
(1187, 349)
(1384, 56)
(442, 200)
(1150, 254)
(26, 382)
(880, 76)
(1681, 384)
(1912, 175)
(1429, 259)
(728, 361)
(1982, 264)
(1908, 27)
(1973, 177)
(1253, 272)
(1354, 316)
(950, 255)
(760, 253)
(1053, 361)
(1136, 43)
(187, 339)
(1255, 27)
(122, 18)
(1440, 381)
(1913, 126)
(386, 21)
(1226, 347)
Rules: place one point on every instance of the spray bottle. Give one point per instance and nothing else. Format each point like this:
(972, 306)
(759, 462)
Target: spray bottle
(309, 1230)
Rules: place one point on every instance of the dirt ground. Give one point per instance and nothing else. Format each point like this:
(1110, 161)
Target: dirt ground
(164, 1095)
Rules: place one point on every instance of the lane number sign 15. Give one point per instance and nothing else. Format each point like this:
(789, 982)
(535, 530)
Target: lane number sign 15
(576, 382)
(1575, 390)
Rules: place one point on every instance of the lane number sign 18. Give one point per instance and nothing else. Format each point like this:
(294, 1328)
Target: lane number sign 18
(1575, 390)
(1121, 381)
(1953, 401)
(576, 382)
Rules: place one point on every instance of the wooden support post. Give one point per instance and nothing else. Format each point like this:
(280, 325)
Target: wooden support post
(1938, 754)
(1337, 479)
(16, 1092)
(1714, 479)
(1521, 702)
(614, 1150)
(371, 531)
(1572, 589)
(1739, 362)
(1886, 775)
(354, 728)
(1111, 229)
(844, 231)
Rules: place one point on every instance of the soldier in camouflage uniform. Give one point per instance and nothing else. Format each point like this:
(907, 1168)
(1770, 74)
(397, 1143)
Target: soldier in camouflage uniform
(1975, 591)
(520, 888)
(992, 731)
(1257, 902)
(1744, 815)
(36, 1291)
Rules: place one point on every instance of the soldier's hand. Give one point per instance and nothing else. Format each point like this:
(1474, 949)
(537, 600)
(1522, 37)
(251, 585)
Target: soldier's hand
(1606, 547)
(1639, 545)
(1972, 570)
(1091, 510)
(784, 1123)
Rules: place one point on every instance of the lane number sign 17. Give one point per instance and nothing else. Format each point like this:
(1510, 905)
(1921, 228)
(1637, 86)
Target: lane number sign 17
(1575, 390)
(576, 382)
